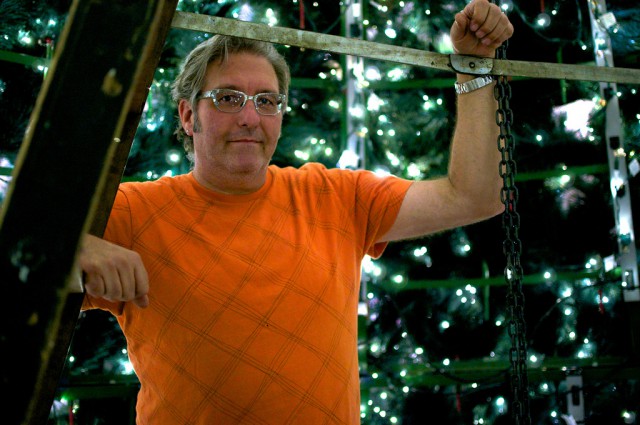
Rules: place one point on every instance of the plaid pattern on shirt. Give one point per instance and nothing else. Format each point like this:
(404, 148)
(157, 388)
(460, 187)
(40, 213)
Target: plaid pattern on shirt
(253, 298)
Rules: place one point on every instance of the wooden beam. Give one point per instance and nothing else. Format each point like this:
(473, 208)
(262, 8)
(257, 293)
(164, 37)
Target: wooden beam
(63, 185)
(409, 56)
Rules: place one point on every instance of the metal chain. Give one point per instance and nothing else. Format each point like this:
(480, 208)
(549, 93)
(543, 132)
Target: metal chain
(512, 249)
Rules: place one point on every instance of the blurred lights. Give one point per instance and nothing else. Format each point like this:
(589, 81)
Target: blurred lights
(348, 159)
(397, 279)
(413, 171)
(25, 38)
(427, 105)
(396, 74)
(272, 20)
(418, 252)
(244, 14)
(543, 20)
(374, 103)
(390, 32)
(371, 268)
(506, 6)
(628, 417)
(381, 171)
(127, 367)
(173, 157)
(357, 111)
(301, 155)
(395, 161)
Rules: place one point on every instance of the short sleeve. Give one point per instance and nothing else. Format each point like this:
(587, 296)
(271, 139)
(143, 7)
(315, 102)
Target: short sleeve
(380, 198)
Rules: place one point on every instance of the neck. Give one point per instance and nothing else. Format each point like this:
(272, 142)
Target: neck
(232, 184)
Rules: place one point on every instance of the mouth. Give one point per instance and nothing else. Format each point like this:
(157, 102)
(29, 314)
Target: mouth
(244, 141)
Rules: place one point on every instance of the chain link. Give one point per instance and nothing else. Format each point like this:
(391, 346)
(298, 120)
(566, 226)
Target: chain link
(512, 249)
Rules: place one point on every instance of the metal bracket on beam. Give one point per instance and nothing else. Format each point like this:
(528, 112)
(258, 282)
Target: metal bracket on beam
(471, 64)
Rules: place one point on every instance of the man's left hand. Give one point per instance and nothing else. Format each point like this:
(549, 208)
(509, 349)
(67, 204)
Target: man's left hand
(480, 29)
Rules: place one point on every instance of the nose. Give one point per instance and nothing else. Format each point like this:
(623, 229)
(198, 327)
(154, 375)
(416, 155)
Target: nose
(248, 116)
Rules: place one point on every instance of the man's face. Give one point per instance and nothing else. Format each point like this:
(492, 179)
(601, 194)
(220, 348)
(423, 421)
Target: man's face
(232, 150)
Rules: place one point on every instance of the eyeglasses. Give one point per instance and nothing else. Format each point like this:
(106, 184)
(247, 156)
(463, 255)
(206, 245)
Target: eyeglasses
(231, 101)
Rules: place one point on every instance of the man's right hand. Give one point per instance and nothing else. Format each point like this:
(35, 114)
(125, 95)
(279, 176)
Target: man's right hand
(113, 272)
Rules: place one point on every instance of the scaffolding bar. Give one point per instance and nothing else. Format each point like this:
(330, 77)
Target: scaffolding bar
(409, 56)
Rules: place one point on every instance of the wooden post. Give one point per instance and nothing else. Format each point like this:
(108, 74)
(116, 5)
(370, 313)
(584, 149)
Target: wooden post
(64, 183)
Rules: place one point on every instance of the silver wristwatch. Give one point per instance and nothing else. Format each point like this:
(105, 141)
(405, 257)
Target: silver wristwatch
(474, 84)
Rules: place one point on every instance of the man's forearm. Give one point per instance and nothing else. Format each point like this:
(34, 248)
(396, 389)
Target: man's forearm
(473, 168)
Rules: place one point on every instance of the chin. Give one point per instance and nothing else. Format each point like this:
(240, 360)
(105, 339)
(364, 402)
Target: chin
(247, 167)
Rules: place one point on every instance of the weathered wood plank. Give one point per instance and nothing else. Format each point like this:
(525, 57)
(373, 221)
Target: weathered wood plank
(64, 183)
(405, 55)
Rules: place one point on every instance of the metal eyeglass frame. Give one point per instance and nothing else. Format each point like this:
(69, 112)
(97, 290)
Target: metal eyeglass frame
(281, 98)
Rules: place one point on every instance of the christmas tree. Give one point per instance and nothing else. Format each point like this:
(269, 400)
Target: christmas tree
(434, 329)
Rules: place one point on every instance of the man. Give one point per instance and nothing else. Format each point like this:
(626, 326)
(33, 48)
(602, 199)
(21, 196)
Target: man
(236, 285)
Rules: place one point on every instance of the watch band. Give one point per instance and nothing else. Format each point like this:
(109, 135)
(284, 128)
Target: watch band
(474, 84)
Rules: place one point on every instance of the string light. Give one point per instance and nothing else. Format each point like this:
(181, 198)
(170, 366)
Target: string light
(506, 6)
(543, 20)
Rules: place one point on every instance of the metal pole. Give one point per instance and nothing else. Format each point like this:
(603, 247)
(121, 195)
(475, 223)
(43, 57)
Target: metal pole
(601, 21)
(354, 110)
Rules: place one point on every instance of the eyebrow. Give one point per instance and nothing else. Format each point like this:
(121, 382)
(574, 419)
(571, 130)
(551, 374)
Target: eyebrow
(234, 87)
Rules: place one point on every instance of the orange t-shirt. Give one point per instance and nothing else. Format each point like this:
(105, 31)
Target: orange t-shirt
(253, 298)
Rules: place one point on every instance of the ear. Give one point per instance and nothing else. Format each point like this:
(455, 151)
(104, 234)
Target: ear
(186, 115)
